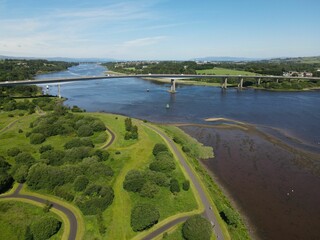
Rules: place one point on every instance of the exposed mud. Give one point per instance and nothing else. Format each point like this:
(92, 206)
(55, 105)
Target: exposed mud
(275, 186)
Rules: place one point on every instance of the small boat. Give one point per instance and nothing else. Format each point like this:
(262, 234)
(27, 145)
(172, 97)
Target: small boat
(168, 106)
(148, 90)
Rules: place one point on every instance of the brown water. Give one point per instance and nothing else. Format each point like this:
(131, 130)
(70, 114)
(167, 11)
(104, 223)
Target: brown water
(275, 186)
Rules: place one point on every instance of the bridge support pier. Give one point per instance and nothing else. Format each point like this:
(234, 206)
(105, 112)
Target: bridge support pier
(225, 84)
(59, 91)
(173, 86)
(259, 81)
(277, 80)
(240, 85)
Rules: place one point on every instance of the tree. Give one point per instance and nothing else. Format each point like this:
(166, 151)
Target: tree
(45, 148)
(4, 165)
(6, 181)
(197, 228)
(37, 138)
(144, 216)
(45, 227)
(80, 183)
(20, 173)
(165, 165)
(25, 158)
(186, 185)
(53, 157)
(159, 147)
(133, 181)
(174, 185)
(12, 152)
(85, 131)
(149, 190)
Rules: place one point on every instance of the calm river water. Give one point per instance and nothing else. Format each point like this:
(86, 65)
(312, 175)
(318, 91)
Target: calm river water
(292, 117)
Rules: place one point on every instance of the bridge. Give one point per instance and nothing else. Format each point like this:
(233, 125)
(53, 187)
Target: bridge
(173, 77)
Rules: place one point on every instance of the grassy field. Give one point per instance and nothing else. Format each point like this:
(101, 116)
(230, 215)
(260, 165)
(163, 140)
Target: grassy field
(16, 216)
(224, 71)
(125, 155)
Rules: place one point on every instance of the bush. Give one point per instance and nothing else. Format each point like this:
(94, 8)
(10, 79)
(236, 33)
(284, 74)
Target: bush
(37, 138)
(166, 165)
(197, 228)
(45, 227)
(20, 173)
(149, 190)
(98, 126)
(4, 165)
(134, 181)
(80, 183)
(12, 152)
(158, 178)
(95, 200)
(185, 149)
(159, 147)
(186, 185)
(54, 157)
(102, 155)
(85, 131)
(20, 130)
(144, 216)
(174, 186)
(45, 148)
(24, 159)
(6, 181)
(64, 193)
(79, 142)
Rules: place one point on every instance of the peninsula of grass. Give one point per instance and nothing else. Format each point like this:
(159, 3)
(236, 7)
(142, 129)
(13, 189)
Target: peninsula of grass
(109, 172)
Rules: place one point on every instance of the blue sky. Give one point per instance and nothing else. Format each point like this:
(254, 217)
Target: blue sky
(159, 29)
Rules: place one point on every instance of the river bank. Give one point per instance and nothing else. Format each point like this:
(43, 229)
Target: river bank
(273, 185)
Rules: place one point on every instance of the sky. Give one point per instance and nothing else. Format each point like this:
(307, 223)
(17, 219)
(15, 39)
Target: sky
(159, 29)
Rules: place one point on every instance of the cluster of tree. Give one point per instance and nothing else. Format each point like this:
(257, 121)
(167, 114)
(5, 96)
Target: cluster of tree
(294, 85)
(20, 90)
(144, 216)
(131, 130)
(26, 69)
(6, 179)
(197, 228)
(95, 199)
(147, 183)
(61, 122)
(43, 228)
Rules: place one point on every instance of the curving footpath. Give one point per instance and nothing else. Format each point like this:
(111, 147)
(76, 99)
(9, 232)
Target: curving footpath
(113, 137)
(70, 215)
(208, 213)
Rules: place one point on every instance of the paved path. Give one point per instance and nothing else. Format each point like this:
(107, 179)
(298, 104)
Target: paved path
(70, 215)
(113, 137)
(208, 213)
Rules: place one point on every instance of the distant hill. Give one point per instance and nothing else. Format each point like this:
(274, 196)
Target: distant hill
(227, 59)
(310, 60)
(63, 59)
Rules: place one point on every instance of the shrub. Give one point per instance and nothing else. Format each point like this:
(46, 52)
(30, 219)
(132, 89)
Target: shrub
(24, 159)
(74, 155)
(6, 181)
(186, 185)
(79, 142)
(20, 130)
(45, 148)
(185, 149)
(10, 115)
(174, 185)
(98, 126)
(159, 147)
(12, 152)
(45, 227)
(133, 181)
(54, 157)
(85, 131)
(149, 190)
(80, 183)
(102, 155)
(20, 173)
(197, 228)
(166, 165)
(37, 138)
(144, 216)
(4, 165)
(158, 178)
(163, 156)
(64, 193)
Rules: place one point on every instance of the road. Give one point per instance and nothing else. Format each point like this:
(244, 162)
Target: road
(111, 140)
(208, 213)
(175, 76)
(70, 215)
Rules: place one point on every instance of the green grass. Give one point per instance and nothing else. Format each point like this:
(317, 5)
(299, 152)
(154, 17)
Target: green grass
(224, 71)
(16, 216)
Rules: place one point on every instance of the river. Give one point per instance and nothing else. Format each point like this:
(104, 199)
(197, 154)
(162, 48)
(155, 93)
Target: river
(267, 169)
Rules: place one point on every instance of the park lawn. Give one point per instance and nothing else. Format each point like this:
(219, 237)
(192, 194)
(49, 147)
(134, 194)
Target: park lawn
(225, 71)
(15, 216)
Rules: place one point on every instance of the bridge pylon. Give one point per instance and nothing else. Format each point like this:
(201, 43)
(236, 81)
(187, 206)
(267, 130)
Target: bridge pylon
(173, 86)
(225, 83)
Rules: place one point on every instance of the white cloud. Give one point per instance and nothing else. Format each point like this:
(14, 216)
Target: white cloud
(142, 42)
